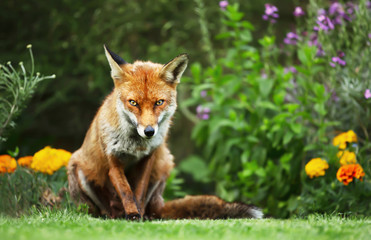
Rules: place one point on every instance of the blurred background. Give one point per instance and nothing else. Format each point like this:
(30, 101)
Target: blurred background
(67, 38)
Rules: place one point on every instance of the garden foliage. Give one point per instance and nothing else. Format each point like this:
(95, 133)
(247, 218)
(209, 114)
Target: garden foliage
(264, 111)
(33, 181)
(16, 89)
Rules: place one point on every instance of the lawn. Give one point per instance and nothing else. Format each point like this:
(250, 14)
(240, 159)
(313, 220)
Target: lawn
(71, 225)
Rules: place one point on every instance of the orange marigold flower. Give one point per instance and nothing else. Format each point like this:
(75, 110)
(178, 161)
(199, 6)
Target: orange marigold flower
(316, 167)
(346, 173)
(49, 160)
(7, 164)
(346, 157)
(342, 139)
(25, 161)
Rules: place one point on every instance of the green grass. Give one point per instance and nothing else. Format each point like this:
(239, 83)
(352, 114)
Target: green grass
(70, 225)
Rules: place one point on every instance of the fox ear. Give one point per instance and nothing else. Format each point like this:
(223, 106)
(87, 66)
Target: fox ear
(114, 61)
(173, 70)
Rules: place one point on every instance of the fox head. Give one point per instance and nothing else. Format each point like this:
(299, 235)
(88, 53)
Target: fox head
(146, 91)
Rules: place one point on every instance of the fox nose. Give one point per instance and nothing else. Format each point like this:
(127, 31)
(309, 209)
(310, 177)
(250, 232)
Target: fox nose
(149, 131)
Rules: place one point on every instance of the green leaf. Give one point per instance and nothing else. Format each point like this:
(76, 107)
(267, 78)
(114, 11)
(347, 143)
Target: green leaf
(265, 86)
(287, 137)
(310, 147)
(292, 203)
(267, 105)
(286, 158)
(14, 153)
(267, 41)
(196, 72)
(245, 156)
(320, 108)
(296, 127)
(319, 90)
(224, 35)
(246, 36)
(252, 139)
(247, 25)
(196, 167)
(291, 107)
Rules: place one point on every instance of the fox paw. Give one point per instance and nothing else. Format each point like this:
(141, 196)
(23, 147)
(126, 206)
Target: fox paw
(133, 217)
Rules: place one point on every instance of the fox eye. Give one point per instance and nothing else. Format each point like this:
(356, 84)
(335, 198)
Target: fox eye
(159, 102)
(133, 103)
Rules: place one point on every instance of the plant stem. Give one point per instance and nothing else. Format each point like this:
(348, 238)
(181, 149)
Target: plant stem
(200, 10)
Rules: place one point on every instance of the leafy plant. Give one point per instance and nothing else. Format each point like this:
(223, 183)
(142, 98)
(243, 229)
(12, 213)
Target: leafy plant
(16, 89)
(264, 111)
(20, 190)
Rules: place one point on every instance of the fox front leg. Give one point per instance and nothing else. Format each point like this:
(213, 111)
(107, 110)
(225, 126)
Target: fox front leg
(122, 187)
(141, 175)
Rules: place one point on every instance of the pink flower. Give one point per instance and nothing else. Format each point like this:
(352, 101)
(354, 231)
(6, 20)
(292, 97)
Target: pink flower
(223, 4)
(203, 93)
(324, 23)
(203, 113)
(270, 13)
(291, 38)
(298, 12)
(291, 69)
(367, 93)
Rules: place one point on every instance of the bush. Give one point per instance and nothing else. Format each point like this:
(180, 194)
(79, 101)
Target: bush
(16, 89)
(266, 110)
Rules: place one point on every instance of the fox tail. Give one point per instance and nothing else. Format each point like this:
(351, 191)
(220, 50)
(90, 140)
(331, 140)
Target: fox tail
(208, 207)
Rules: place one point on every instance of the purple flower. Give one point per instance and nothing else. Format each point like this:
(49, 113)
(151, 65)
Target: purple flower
(335, 8)
(368, 4)
(270, 13)
(223, 4)
(369, 35)
(350, 8)
(367, 93)
(338, 12)
(291, 38)
(203, 112)
(313, 41)
(321, 11)
(203, 93)
(299, 12)
(334, 96)
(291, 69)
(338, 60)
(320, 51)
(263, 75)
(324, 23)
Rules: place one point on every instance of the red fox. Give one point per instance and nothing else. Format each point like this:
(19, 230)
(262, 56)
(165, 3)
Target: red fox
(122, 166)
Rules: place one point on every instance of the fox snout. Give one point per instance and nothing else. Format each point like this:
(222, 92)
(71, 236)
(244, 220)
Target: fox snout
(147, 131)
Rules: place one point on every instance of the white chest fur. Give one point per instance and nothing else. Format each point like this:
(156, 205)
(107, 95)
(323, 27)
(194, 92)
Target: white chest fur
(126, 141)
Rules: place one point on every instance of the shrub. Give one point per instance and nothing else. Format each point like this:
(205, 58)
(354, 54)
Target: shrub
(16, 89)
(265, 111)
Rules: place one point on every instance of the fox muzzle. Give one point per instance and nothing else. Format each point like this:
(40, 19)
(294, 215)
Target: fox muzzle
(149, 131)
